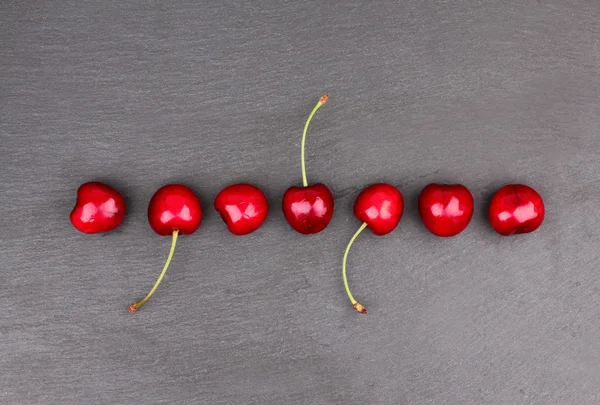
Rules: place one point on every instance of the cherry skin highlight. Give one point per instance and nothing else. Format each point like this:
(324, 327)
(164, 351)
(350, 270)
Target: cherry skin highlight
(308, 209)
(516, 209)
(243, 208)
(99, 208)
(173, 210)
(379, 207)
(446, 209)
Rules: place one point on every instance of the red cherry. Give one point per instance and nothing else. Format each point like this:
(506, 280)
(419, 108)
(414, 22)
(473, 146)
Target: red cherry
(516, 209)
(308, 209)
(446, 209)
(173, 210)
(380, 207)
(99, 208)
(243, 207)
(174, 207)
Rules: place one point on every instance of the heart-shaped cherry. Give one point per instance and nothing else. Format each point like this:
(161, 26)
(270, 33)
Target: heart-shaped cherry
(446, 209)
(308, 209)
(243, 207)
(173, 210)
(380, 207)
(516, 209)
(99, 208)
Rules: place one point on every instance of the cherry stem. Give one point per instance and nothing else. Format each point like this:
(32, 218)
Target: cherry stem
(359, 307)
(136, 305)
(322, 101)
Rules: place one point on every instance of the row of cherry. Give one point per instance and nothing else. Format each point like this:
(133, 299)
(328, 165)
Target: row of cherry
(446, 210)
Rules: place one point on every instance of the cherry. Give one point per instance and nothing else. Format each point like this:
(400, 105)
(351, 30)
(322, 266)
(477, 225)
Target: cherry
(516, 209)
(99, 208)
(308, 209)
(380, 207)
(446, 209)
(243, 207)
(173, 210)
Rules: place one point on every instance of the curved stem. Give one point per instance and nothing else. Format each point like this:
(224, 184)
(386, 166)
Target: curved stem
(136, 305)
(322, 101)
(355, 303)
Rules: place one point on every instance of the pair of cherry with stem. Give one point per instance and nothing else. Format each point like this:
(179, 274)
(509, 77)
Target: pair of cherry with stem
(175, 210)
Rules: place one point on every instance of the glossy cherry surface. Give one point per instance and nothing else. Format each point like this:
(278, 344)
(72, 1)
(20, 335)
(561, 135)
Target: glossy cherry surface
(446, 209)
(174, 207)
(243, 207)
(516, 209)
(380, 206)
(308, 209)
(99, 208)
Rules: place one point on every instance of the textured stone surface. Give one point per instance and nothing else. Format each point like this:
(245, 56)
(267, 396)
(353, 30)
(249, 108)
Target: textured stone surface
(142, 93)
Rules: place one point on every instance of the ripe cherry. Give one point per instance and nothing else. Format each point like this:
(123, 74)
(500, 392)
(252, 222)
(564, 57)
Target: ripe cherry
(99, 208)
(243, 207)
(380, 207)
(308, 209)
(446, 209)
(173, 210)
(516, 209)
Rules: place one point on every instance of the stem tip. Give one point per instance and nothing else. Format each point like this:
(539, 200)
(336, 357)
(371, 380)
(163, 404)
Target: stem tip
(323, 99)
(133, 308)
(358, 306)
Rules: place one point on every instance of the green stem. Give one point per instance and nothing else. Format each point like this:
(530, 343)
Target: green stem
(322, 101)
(355, 303)
(136, 305)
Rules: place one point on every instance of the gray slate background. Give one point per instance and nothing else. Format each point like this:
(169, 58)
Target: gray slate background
(143, 93)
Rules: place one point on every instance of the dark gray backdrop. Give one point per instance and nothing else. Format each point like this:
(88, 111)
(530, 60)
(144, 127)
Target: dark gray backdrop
(143, 93)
